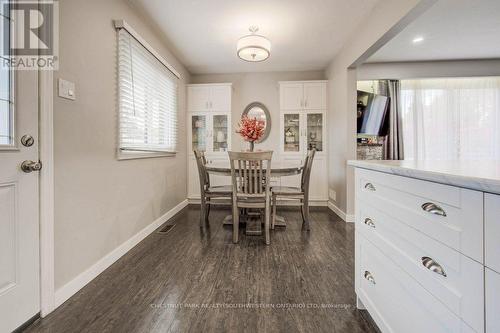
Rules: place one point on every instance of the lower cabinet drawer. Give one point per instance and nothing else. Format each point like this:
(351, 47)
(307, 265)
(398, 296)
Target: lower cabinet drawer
(449, 214)
(451, 277)
(492, 301)
(396, 301)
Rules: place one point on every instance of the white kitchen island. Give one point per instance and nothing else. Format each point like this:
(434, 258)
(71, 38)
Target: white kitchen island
(428, 245)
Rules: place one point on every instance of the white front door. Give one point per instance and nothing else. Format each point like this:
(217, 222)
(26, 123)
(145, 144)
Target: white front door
(19, 201)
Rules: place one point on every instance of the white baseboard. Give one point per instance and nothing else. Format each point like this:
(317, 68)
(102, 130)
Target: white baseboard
(341, 213)
(72, 287)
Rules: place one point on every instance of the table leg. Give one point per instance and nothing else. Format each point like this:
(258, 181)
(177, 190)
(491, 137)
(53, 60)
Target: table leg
(253, 227)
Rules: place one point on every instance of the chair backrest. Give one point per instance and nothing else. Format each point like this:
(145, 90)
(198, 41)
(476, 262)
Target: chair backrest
(201, 162)
(251, 173)
(306, 171)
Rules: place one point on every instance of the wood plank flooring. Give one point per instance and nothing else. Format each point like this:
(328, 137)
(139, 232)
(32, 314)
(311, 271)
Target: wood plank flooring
(194, 280)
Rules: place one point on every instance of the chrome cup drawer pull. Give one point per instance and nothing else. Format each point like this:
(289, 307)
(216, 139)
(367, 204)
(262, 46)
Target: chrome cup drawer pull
(369, 277)
(369, 222)
(370, 187)
(431, 265)
(433, 209)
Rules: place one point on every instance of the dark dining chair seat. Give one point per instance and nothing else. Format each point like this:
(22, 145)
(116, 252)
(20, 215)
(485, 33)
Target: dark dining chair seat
(225, 189)
(287, 191)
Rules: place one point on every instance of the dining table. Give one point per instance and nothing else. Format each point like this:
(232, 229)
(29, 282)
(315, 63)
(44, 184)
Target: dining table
(278, 170)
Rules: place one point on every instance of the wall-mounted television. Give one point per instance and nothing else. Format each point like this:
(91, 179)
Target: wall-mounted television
(372, 114)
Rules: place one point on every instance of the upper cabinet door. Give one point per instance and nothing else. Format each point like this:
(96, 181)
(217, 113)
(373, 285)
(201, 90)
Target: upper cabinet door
(292, 96)
(315, 96)
(198, 98)
(220, 98)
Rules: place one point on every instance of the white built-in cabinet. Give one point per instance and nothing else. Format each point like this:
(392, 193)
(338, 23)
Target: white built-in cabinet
(209, 97)
(427, 254)
(492, 261)
(209, 129)
(303, 115)
(303, 95)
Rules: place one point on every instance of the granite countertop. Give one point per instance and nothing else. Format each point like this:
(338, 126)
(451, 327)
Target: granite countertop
(476, 175)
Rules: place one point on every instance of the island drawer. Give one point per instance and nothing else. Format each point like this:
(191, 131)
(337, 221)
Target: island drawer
(396, 301)
(448, 214)
(448, 275)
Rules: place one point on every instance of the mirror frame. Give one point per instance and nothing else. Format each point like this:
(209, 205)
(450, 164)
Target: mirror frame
(268, 118)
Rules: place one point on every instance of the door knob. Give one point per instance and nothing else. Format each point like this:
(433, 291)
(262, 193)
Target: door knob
(30, 166)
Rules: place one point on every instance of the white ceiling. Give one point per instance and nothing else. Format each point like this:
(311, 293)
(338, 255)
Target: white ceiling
(305, 34)
(452, 29)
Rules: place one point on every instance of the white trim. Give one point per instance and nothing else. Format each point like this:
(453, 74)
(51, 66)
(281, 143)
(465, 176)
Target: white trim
(46, 155)
(209, 85)
(73, 286)
(122, 155)
(122, 24)
(340, 212)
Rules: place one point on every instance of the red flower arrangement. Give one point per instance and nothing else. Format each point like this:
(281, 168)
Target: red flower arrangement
(251, 129)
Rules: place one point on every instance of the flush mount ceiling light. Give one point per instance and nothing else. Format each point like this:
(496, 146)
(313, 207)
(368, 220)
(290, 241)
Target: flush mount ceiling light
(253, 47)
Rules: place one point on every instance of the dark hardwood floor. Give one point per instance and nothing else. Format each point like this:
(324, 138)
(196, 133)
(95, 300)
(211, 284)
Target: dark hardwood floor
(193, 280)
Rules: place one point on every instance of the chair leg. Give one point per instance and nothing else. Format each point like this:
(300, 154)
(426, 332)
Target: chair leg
(203, 208)
(302, 212)
(207, 213)
(236, 223)
(266, 223)
(305, 208)
(275, 197)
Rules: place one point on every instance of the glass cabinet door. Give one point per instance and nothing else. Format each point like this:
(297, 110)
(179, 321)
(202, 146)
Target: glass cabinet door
(220, 133)
(199, 132)
(291, 139)
(315, 131)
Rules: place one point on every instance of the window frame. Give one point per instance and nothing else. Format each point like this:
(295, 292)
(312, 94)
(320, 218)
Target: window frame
(14, 146)
(129, 154)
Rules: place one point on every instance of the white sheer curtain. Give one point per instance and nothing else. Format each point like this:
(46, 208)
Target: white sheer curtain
(451, 119)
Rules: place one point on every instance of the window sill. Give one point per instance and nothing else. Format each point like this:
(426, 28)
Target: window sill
(133, 155)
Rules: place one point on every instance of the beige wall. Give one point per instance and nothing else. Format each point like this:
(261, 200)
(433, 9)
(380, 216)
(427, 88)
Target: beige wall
(385, 21)
(257, 87)
(101, 202)
(429, 69)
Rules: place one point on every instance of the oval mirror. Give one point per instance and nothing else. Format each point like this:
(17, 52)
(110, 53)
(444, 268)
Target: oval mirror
(259, 111)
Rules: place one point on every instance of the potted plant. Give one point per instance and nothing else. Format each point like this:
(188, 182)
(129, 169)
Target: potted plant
(251, 130)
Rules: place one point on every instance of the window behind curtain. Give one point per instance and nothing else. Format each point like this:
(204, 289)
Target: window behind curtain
(148, 99)
(6, 93)
(451, 119)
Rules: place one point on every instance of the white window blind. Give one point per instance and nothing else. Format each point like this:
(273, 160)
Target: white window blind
(148, 99)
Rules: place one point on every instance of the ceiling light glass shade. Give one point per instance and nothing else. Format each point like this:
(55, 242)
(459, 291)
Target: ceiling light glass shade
(253, 48)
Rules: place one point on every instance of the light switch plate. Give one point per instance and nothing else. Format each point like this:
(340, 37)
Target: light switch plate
(67, 89)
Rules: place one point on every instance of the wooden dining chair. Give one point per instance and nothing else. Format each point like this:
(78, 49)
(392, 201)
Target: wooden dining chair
(251, 174)
(299, 196)
(210, 195)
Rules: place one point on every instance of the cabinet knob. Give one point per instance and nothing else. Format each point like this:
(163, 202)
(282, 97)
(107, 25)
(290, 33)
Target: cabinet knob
(432, 265)
(369, 277)
(369, 222)
(433, 209)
